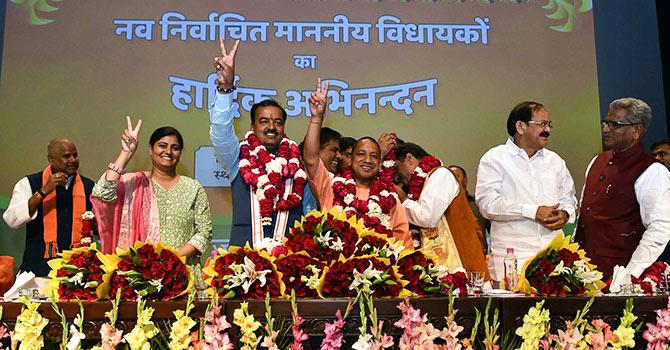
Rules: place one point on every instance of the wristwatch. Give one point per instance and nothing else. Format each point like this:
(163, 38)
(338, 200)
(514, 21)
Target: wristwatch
(225, 91)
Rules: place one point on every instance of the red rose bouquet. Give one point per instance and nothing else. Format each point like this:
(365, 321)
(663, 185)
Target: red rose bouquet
(300, 273)
(379, 245)
(325, 235)
(455, 281)
(368, 274)
(425, 277)
(243, 273)
(561, 268)
(651, 277)
(154, 272)
(78, 274)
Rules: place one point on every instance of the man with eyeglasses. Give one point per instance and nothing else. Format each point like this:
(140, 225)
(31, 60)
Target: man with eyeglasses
(625, 210)
(523, 188)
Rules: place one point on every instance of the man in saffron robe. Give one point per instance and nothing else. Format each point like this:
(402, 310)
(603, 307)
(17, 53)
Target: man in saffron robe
(359, 191)
(625, 209)
(50, 203)
(439, 210)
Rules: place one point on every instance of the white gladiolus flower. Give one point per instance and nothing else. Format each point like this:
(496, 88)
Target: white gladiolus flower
(75, 338)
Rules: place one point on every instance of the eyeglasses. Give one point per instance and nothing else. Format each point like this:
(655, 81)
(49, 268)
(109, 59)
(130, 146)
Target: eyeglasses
(543, 124)
(613, 124)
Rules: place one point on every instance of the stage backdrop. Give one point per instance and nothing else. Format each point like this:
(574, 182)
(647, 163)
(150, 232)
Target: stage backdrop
(443, 74)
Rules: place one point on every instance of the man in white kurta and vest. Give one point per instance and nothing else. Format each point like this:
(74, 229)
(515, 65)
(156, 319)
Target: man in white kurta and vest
(265, 167)
(439, 210)
(625, 211)
(50, 203)
(524, 189)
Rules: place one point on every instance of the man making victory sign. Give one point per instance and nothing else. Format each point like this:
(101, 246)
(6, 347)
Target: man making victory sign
(266, 173)
(358, 190)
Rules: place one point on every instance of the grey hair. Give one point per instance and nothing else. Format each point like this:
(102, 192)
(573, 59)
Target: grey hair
(638, 110)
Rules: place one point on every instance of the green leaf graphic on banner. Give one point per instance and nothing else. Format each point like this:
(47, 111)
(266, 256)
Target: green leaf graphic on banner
(34, 6)
(565, 10)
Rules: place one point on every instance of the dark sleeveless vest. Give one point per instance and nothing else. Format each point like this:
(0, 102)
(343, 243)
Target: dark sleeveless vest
(33, 255)
(241, 230)
(610, 226)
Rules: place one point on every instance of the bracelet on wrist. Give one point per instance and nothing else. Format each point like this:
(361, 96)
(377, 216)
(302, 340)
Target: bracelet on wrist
(115, 168)
(225, 91)
(39, 191)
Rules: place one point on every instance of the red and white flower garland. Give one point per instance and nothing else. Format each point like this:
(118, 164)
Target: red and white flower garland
(425, 166)
(266, 173)
(375, 211)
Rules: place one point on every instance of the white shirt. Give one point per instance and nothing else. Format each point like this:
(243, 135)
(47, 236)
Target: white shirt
(17, 213)
(439, 190)
(510, 188)
(652, 191)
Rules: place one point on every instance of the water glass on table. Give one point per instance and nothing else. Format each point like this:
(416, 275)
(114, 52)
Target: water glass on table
(662, 287)
(475, 282)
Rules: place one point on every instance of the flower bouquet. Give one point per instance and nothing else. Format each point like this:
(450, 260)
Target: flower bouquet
(561, 268)
(369, 274)
(325, 235)
(243, 272)
(153, 272)
(379, 245)
(78, 274)
(425, 277)
(300, 273)
(651, 277)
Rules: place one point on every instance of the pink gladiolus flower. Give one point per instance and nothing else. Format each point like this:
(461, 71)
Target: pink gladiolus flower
(299, 335)
(333, 331)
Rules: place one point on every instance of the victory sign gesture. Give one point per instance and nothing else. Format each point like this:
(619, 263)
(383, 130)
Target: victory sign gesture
(225, 65)
(318, 100)
(129, 137)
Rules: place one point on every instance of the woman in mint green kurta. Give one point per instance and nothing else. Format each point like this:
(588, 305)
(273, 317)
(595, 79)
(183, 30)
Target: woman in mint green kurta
(153, 206)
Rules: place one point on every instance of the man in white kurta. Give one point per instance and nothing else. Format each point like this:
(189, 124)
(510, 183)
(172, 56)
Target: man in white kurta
(525, 189)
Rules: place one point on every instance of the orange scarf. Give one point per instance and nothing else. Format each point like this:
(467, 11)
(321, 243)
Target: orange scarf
(50, 214)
